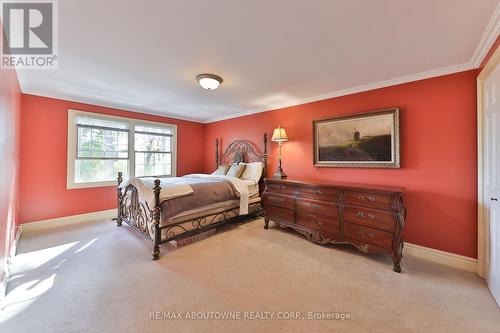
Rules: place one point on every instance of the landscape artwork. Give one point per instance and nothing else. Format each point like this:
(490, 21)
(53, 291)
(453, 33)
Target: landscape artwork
(368, 140)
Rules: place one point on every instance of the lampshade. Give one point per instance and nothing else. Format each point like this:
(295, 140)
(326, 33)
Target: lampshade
(279, 135)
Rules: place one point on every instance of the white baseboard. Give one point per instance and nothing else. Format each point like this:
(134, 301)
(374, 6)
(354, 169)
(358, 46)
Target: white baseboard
(441, 257)
(3, 288)
(4, 281)
(68, 220)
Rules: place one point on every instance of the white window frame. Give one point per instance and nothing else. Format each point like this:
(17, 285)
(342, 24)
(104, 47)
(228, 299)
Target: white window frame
(71, 140)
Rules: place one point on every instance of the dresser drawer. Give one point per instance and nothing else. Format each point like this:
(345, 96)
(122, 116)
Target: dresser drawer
(277, 200)
(322, 224)
(368, 235)
(280, 215)
(319, 193)
(316, 207)
(370, 217)
(279, 187)
(368, 199)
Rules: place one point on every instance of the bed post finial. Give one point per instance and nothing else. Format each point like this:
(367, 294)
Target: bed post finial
(156, 221)
(265, 154)
(216, 153)
(119, 199)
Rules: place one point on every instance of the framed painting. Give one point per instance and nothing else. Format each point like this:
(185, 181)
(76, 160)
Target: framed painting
(364, 140)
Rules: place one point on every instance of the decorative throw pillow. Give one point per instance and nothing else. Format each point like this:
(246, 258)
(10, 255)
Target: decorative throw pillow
(221, 170)
(236, 170)
(253, 171)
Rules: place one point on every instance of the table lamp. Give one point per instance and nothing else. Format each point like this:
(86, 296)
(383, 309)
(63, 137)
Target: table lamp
(279, 136)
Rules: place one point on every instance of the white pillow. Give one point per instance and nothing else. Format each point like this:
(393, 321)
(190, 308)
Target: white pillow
(221, 170)
(236, 170)
(253, 171)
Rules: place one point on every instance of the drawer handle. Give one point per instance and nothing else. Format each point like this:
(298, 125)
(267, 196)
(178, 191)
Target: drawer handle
(317, 192)
(366, 197)
(277, 199)
(366, 215)
(366, 234)
(316, 222)
(313, 205)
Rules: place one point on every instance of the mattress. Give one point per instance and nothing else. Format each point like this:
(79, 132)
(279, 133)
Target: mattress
(207, 210)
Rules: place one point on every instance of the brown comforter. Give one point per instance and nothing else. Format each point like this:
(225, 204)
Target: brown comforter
(206, 191)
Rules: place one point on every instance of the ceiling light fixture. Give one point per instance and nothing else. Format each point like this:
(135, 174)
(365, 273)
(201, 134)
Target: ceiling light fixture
(209, 81)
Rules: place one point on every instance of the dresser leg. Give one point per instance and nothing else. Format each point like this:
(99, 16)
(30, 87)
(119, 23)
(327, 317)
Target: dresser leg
(266, 223)
(396, 257)
(397, 268)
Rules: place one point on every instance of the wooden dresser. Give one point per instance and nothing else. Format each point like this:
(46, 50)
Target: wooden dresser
(370, 218)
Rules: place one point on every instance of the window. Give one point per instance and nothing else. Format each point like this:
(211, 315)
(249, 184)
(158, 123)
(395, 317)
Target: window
(153, 153)
(100, 146)
(101, 149)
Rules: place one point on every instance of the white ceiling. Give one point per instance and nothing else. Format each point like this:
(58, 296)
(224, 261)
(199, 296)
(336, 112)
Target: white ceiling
(144, 55)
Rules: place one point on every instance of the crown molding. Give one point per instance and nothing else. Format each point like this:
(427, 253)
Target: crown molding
(116, 106)
(349, 91)
(489, 37)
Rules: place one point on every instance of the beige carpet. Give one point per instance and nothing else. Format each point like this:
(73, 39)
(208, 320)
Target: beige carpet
(96, 277)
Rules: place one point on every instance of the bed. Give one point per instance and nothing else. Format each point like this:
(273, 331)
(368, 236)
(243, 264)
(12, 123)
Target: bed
(165, 209)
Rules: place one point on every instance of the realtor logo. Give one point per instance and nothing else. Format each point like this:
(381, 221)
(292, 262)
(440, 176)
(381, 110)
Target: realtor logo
(30, 34)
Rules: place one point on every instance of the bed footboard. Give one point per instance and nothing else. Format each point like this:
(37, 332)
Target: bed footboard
(138, 215)
(119, 197)
(146, 221)
(156, 221)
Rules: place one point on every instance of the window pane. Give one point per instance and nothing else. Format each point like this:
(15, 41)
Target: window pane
(151, 142)
(153, 164)
(97, 142)
(153, 129)
(99, 170)
(81, 120)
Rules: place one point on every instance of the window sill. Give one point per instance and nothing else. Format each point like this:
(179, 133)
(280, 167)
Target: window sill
(72, 186)
(114, 183)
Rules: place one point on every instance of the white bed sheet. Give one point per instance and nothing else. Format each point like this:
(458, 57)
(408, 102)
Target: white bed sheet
(253, 186)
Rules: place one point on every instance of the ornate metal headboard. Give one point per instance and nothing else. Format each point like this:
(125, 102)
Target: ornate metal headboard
(241, 151)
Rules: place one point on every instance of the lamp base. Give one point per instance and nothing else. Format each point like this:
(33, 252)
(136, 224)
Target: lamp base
(279, 174)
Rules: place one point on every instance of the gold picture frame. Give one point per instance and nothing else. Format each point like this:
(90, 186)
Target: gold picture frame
(363, 140)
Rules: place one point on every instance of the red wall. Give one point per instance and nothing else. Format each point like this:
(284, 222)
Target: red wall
(438, 152)
(44, 130)
(10, 113)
